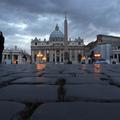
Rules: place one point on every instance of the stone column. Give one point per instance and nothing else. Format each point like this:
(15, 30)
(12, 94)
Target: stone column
(12, 57)
(70, 55)
(33, 60)
(51, 55)
(45, 53)
(76, 56)
(55, 56)
(117, 58)
(18, 58)
(60, 55)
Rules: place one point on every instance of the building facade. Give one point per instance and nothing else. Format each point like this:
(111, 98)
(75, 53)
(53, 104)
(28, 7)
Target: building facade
(103, 51)
(115, 46)
(15, 56)
(108, 47)
(58, 49)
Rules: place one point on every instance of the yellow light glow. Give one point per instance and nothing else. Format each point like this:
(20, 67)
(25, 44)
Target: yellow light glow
(14, 62)
(44, 58)
(97, 54)
(83, 57)
(39, 54)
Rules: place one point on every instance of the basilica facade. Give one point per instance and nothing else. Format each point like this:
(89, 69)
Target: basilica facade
(58, 49)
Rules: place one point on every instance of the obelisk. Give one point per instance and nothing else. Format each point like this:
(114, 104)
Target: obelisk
(66, 54)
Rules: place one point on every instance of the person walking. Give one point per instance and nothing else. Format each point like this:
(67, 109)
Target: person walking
(2, 39)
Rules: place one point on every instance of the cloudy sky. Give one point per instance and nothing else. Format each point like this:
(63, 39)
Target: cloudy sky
(22, 20)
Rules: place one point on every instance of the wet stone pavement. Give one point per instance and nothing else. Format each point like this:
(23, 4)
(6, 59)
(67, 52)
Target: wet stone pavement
(59, 92)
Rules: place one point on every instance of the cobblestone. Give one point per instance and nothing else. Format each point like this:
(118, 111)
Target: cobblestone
(57, 91)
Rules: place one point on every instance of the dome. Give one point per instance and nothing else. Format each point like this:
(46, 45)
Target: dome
(56, 35)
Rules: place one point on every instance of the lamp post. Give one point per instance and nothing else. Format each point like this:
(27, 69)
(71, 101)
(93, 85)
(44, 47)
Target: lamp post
(40, 55)
(11, 56)
(44, 58)
(97, 56)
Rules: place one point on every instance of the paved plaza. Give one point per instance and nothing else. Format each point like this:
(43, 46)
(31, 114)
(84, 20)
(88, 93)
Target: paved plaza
(60, 92)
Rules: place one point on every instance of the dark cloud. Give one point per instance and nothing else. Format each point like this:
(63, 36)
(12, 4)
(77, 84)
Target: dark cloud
(38, 17)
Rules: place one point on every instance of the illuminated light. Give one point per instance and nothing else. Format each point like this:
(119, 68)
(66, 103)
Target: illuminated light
(39, 54)
(14, 62)
(44, 58)
(97, 55)
(83, 58)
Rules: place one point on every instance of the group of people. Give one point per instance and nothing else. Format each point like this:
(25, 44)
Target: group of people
(2, 40)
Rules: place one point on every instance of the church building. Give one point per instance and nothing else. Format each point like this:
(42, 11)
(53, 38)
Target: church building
(58, 49)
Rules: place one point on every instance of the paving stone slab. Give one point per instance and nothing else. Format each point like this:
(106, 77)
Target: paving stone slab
(77, 111)
(6, 79)
(115, 80)
(56, 75)
(29, 93)
(9, 110)
(93, 92)
(84, 80)
(22, 74)
(35, 80)
(53, 80)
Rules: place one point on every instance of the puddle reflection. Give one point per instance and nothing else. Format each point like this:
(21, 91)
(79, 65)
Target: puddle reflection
(97, 68)
(83, 67)
(40, 66)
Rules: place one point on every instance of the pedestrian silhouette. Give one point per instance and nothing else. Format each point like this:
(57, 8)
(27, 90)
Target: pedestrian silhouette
(2, 39)
(61, 93)
(24, 59)
(61, 90)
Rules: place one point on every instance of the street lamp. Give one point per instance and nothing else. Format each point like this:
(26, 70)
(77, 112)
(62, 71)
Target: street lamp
(83, 58)
(40, 55)
(44, 58)
(97, 55)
